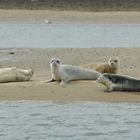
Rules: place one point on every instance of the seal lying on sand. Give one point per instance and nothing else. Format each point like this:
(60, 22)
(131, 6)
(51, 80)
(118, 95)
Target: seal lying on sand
(110, 67)
(117, 82)
(66, 73)
(13, 74)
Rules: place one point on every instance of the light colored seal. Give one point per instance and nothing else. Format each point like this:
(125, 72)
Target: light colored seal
(66, 73)
(13, 74)
(110, 67)
(115, 82)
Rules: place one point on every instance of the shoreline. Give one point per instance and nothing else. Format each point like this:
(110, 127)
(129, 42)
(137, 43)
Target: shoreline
(70, 16)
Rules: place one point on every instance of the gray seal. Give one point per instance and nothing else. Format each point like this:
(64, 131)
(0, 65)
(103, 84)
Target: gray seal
(66, 73)
(115, 82)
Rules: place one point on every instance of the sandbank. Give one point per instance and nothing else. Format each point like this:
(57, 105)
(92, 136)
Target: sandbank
(39, 59)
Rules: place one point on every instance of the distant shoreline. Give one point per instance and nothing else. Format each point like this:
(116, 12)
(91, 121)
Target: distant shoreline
(69, 16)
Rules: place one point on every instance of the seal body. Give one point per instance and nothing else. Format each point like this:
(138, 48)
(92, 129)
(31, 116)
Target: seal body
(109, 67)
(66, 73)
(13, 74)
(115, 82)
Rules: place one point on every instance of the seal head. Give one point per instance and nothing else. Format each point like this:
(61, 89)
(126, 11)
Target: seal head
(114, 63)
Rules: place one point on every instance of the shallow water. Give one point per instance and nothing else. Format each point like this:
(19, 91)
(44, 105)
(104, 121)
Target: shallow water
(64, 35)
(40, 120)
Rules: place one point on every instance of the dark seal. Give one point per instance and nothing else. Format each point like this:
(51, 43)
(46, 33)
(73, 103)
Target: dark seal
(117, 82)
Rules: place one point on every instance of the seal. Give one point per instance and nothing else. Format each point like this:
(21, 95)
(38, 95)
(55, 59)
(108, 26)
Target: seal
(115, 82)
(66, 73)
(109, 67)
(13, 74)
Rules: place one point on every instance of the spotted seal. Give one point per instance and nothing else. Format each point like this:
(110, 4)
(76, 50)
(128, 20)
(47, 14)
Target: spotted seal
(109, 67)
(13, 74)
(66, 73)
(115, 82)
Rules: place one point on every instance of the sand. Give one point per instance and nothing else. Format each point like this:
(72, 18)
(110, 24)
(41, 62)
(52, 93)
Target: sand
(68, 16)
(39, 59)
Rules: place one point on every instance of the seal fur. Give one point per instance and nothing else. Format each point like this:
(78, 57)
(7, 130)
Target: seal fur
(66, 73)
(13, 74)
(115, 82)
(109, 67)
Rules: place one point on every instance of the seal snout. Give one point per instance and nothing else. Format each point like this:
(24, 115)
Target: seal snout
(55, 61)
(54, 64)
(111, 63)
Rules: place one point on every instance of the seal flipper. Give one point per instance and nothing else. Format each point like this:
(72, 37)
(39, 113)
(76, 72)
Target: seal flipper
(64, 82)
(109, 89)
(50, 80)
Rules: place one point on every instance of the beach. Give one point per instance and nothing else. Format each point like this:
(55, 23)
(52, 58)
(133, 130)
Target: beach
(39, 58)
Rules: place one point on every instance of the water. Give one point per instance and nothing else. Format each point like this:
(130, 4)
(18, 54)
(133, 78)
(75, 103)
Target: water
(67, 35)
(40, 120)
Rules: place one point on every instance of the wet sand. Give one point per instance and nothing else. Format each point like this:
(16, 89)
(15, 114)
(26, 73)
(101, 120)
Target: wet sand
(39, 59)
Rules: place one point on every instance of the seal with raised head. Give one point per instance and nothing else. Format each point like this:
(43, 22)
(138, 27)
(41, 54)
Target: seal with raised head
(115, 82)
(13, 74)
(109, 67)
(66, 73)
